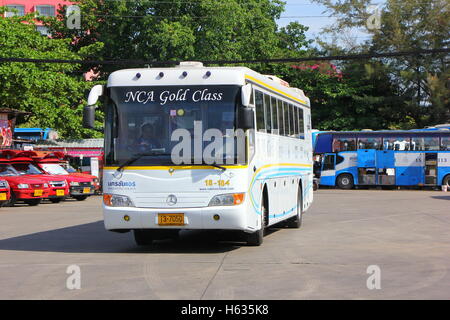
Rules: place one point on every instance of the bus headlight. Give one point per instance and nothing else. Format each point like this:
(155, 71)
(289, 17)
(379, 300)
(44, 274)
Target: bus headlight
(114, 200)
(229, 199)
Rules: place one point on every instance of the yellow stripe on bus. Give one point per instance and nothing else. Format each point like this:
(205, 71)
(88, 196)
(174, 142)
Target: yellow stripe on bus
(175, 167)
(275, 89)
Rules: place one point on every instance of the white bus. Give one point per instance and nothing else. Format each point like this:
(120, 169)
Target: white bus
(246, 186)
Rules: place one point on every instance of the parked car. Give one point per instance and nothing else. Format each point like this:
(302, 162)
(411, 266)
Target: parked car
(80, 187)
(23, 187)
(59, 187)
(5, 193)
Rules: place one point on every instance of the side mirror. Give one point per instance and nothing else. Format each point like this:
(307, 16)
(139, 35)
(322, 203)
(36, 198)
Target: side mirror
(246, 93)
(246, 118)
(89, 111)
(88, 117)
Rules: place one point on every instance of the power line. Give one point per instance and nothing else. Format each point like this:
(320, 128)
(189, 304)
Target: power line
(280, 60)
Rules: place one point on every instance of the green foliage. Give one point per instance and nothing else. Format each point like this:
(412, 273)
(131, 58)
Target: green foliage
(406, 25)
(54, 93)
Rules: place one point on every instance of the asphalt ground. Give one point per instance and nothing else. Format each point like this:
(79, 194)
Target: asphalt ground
(358, 244)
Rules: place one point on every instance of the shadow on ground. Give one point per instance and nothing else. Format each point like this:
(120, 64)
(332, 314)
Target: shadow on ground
(93, 238)
(441, 197)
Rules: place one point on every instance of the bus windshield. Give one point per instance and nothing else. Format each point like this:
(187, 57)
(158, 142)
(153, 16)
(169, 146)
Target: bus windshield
(141, 120)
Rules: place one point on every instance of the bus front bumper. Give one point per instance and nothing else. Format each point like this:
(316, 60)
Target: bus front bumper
(230, 218)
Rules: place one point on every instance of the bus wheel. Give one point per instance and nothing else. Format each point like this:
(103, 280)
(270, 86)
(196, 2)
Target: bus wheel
(55, 200)
(446, 181)
(143, 237)
(32, 202)
(296, 222)
(345, 181)
(80, 198)
(12, 201)
(256, 238)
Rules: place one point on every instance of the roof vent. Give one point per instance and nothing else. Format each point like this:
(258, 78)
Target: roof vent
(190, 64)
(276, 79)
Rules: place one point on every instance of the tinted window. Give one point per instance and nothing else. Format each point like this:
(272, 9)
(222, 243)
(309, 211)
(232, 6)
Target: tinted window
(267, 113)
(396, 143)
(286, 118)
(280, 117)
(425, 143)
(445, 143)
(344, 144)
(274, 115)
(291, 121)
(301, 124)
(328, 162)
(369, 143)
(259, 104)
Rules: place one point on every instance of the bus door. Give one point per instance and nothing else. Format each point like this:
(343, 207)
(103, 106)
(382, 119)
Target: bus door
(409, 168)
(367, 168)
(431, 168)
(328, 172)
(386, 167)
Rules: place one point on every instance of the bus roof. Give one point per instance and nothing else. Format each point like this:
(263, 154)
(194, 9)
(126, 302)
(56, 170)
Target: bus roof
(198, 75)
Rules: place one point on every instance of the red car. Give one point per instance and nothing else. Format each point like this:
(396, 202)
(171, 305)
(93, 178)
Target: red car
(5, 193)
(59, 188)
(23, 187)
(79, 187)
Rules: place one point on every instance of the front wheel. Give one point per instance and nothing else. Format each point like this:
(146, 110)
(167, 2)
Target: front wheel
(55, 200)
(143, 237)
(80, 198)
(446, 181)
(345, 181)
(32, 202)
(257, 238)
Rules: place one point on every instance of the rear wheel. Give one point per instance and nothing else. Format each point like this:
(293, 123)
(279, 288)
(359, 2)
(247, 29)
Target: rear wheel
(143, 237)
(32, 202)
(80, 198)
(296, 222)
(257, 238)
(345, 181)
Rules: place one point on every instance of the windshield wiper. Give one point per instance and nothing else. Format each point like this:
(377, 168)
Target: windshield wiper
(136, 157)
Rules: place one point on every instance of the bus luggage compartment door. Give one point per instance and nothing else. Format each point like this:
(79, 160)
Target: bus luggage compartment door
(367, 167)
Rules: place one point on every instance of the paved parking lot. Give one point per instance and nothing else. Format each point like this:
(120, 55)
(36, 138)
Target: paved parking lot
(405, 233)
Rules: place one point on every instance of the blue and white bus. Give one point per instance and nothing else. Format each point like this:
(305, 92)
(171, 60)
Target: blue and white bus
(383, 158)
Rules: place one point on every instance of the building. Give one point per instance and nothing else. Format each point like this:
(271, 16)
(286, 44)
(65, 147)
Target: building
(43, 7)
(7, 124)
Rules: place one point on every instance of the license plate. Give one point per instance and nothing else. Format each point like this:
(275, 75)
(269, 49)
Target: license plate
(38, 193)
(171, 219)
(2, 196)
(87, 190)
(60, 193)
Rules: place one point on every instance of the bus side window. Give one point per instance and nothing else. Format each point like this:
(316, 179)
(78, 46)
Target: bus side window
(291, 121)
(268, 116)
(259, 104)
(280, 117)
(286, 118)
(301, 124)
(445, 143)
(274, 115)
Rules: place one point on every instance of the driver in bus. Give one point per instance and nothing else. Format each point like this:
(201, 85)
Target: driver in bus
(147, 142)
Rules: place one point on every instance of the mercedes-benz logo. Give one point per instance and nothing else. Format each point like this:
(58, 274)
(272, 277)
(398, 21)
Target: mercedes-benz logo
(171, 200)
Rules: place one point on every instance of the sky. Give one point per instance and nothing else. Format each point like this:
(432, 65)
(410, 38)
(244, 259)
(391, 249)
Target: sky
(312, 15)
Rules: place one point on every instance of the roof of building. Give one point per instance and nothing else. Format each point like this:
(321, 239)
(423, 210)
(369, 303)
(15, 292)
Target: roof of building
(74, 143)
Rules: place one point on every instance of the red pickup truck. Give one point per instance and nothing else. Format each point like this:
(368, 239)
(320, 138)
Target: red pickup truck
(23, 187)
(5, 193)
(79, 187)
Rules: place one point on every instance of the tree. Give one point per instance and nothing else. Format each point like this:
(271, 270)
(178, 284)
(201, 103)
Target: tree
(54, 93)
(175, 30)
(406, 25)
